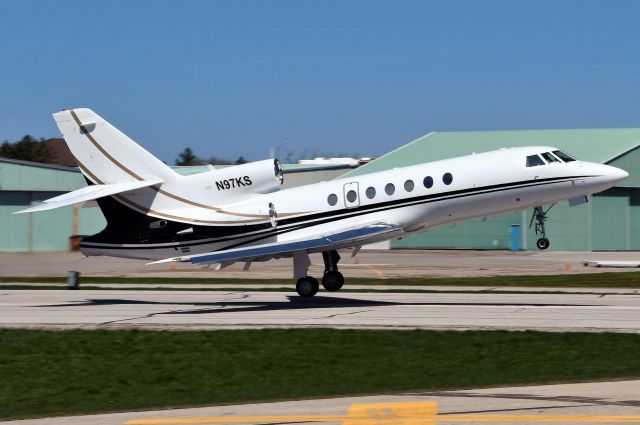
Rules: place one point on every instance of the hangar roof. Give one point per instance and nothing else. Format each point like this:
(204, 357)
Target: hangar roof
(594, 145)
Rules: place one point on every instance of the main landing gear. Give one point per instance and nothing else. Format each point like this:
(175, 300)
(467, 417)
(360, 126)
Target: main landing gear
(540, 216)
(308, 286)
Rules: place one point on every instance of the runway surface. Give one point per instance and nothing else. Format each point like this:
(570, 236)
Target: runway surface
(571, 311)
(602, 402)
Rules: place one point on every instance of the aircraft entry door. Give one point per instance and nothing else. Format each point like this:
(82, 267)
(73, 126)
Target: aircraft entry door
(351, 195)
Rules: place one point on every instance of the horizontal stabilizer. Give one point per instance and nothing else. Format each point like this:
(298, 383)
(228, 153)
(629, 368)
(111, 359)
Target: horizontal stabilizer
(344, 238)
(88, 193)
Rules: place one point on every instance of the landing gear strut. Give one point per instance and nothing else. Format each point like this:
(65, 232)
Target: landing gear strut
(540, 216)
(332, 279)
(308, 286)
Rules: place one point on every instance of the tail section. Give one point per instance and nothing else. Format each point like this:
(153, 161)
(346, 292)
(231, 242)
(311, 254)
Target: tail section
(105, 154)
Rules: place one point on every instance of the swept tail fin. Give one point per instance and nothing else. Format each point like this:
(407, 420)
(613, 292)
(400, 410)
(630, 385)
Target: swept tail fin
(105, 155)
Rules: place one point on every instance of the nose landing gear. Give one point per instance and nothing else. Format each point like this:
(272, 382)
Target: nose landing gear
(540, 216)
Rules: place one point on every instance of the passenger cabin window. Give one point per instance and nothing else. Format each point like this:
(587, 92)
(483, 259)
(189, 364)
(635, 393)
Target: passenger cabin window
(550, 158)
(371, 192)
(564, 156)
(428, 182)
(389, 189)
(408, 185)
(447, 178)
(534, 160)
(332, 199)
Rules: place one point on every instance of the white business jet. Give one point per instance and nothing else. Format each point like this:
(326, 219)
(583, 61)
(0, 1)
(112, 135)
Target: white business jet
(239, 213)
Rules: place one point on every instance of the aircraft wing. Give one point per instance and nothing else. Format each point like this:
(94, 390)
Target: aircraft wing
(88, 193)
(339, 239)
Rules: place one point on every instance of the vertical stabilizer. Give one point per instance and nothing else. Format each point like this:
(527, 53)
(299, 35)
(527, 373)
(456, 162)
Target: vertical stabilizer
(104, 153)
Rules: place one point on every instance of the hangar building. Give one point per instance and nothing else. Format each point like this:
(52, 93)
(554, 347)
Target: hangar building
(609, 221)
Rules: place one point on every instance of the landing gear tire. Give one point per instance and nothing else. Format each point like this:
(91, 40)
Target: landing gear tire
(307, 286)
(542, 243)
(540, 216)
(332, 280)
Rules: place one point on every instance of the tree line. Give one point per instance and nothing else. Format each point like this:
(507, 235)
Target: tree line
(28, 148)
(188, 157)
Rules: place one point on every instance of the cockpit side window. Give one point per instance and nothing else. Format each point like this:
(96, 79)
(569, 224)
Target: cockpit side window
(564, 156)
(550, 158)
(534, 160)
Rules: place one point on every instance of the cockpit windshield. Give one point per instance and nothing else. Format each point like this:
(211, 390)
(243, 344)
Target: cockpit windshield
(564, 156)
(550, 158)
(555, 157)
(534, 160)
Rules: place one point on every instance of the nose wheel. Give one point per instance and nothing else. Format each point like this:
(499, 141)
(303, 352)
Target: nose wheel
(540, 216)
(542, 243)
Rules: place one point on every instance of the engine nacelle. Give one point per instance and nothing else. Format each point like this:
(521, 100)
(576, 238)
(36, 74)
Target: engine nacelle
(254, 177)
(237, 182)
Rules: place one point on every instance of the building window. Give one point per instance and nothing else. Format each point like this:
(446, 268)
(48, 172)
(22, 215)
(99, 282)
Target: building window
(352, 196)
(371, 192)
(447, 178)
(332, 199)
(389, 189)
(408, 185)
(428, 182)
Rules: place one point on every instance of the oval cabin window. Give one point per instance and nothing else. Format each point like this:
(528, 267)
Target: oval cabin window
(389, 189)
(408, 185)
(371, 192)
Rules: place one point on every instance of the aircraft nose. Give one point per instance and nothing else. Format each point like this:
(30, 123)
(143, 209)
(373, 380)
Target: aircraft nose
(615, 174)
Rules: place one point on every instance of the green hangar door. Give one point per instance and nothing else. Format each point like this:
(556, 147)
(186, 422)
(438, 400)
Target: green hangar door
(634, 212)
(14, 229)
(51, 229)
(45, 231)
(611, 225)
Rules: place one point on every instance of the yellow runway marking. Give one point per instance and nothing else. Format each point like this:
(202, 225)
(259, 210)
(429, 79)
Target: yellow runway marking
(375, 270)
(405, 413)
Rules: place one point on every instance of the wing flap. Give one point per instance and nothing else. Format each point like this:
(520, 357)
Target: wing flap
(89, 193)
(343, 238)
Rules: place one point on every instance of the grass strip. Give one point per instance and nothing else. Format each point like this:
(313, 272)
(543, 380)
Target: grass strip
(599, 280)
(48, 373)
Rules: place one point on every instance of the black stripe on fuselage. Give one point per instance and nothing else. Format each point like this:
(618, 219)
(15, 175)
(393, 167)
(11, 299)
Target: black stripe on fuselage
(296, 223)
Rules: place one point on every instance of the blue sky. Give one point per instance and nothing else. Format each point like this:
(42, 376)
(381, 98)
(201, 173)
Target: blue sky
(357, 77)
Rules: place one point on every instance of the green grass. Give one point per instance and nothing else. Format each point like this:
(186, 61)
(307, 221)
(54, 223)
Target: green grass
(46, 373)
(599, 280)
